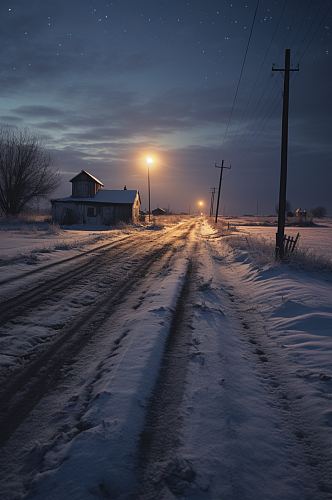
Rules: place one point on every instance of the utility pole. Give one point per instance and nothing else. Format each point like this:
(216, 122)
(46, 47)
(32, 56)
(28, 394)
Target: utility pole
(213, 190)
(284, 148)
(221, 169)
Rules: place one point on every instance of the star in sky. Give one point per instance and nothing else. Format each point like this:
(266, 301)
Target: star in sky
(108, 83)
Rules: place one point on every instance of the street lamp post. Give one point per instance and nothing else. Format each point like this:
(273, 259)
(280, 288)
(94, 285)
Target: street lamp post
(149, 160)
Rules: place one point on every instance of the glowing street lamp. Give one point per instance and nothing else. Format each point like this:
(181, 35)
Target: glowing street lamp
(149, 160)
(201, 204)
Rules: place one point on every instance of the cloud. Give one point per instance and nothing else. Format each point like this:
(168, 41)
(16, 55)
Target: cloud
(114, 114)
(102, 93)
(38, 112)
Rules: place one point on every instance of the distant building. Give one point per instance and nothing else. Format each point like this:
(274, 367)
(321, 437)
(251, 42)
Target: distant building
(159, 211)
(300, 213)
(90, 204)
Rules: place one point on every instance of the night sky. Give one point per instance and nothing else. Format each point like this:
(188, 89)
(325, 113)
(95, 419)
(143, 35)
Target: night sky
(106, 84)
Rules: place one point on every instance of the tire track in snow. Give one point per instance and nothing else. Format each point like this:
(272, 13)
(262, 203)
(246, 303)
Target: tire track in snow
(22, 303)
(159, 437)
(19, 303)
(113, 244)
(26, 390)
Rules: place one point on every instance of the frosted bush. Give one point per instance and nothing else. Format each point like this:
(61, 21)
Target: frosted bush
(222, 227)
(30, 230)
(306, 259)
(262, 252)
(157, 223)
(53, 228)
(67, 245)
(121, 225)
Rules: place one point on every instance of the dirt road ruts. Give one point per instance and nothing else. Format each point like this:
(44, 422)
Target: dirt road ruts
(23, 391)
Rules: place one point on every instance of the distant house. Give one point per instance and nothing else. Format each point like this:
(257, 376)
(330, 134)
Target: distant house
(90, 204)
(158, 211)
(302, 214)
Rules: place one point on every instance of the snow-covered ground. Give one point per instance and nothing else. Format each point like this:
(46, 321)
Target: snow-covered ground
(257, 408)
(260, 389)
(32, 242)
(316, 239)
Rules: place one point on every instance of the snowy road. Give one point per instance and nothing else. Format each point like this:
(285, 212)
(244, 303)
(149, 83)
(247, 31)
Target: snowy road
(165, 365)
(107, 277)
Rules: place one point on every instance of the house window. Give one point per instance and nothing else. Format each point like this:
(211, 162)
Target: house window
(91, 211)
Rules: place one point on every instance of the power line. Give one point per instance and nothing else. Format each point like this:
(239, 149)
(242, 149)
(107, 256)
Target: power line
(313, 36)
(261, 68)
(238, 85)
(248, 138)
(256, 135)
(301, 23)
(245, 136)
(253, 135)
(288, 32)
(293, 59)
(267, 82)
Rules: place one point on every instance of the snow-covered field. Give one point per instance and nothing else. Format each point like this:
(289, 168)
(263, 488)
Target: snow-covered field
(31, 243)
(256, 414)
(316, 239)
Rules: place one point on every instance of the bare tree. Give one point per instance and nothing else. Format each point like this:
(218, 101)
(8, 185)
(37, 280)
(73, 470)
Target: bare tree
(27, 172)
(319, 212)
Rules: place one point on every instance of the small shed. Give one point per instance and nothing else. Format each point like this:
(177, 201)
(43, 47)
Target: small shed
(93, 205)
(158, 211)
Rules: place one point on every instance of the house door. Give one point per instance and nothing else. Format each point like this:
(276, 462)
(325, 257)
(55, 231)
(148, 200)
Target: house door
(108, 213)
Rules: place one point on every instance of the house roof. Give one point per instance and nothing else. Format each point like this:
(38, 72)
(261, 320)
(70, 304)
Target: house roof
(89, 175)
(117, 196)
(159, 211)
